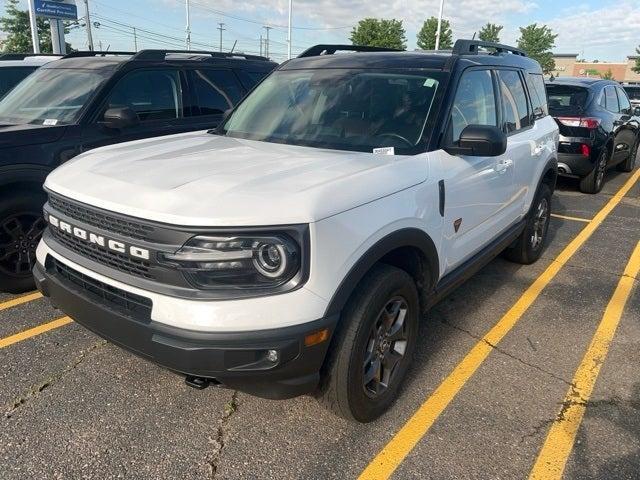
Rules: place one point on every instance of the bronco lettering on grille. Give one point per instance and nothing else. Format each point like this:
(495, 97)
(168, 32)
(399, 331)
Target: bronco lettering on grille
(99, 240)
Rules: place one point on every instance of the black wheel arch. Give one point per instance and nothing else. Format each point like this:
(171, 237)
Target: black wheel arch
(410, 249)
(23, 177)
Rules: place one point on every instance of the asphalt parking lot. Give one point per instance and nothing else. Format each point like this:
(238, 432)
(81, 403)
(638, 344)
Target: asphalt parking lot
(504, 362)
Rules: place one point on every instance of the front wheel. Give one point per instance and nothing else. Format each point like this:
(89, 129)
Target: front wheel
(630, 163)
(529, 245)
(371, 354)
(21, 227)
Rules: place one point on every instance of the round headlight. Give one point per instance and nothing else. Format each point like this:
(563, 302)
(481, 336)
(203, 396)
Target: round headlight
(271, 260)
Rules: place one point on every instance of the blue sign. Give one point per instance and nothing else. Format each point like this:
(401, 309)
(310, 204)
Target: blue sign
(60, 9)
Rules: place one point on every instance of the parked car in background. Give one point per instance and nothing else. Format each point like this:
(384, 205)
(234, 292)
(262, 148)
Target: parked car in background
(598, 128)
(295, 248)
(87, 100)
(15, 67)
(633, 92)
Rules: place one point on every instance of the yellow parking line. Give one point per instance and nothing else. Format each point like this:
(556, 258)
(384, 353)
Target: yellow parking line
(562, 435)
(390, 457)
(14, 302)
(567, 217)
(32, 332)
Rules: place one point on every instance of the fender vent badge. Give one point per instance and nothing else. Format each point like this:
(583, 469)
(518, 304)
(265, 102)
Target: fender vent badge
(456, 224)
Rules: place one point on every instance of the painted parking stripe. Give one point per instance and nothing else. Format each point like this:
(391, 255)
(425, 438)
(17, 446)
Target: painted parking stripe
(567, 217)
(385, 463)
(14, 302)
(35, 331)
(557, 447)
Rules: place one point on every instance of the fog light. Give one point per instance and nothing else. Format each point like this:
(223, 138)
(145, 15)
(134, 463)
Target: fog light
(272, 356)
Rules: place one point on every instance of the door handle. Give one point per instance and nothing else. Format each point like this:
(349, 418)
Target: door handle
(503, 165)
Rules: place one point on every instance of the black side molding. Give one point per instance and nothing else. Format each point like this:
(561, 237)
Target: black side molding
(442, 196)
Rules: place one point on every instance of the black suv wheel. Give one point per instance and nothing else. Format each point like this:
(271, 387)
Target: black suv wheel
(21, 227)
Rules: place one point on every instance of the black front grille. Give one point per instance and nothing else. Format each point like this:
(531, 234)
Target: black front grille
(120, 300)
(101, 219)
(119, 261)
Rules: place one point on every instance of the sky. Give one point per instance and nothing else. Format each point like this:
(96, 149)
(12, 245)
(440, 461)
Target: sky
(606, 30)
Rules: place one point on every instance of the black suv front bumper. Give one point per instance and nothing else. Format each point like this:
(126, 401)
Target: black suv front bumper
(237, 360)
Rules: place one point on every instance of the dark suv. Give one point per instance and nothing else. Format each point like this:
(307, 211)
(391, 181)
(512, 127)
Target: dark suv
(598, 128)
(88, 100)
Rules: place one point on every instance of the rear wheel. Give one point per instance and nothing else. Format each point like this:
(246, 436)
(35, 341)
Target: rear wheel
(529, 245)
(371, 354)
(629, 164)
(593, 182)
(21, 227)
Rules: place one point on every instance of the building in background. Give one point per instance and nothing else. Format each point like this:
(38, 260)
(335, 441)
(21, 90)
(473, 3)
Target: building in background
(567, 65)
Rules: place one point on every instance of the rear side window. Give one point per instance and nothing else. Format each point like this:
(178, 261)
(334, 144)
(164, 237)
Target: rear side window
(566, 99)
(538, 95)
(611, 100)
(152, 94)
(10, 77)
(515, 113)
(625, 104)
(474, 104)
(251, 79)
(216, 91)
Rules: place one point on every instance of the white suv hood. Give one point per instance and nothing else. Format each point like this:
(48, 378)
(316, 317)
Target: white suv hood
(199, 179)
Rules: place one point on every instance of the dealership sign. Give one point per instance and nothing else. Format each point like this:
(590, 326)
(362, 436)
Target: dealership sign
(60, 9)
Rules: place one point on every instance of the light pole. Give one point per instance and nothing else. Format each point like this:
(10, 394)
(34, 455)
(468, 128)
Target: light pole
(35, 39)
(289, 30)
(266, 41)
(88, 20)
(439, 30)
(186, 5)
(221, 30)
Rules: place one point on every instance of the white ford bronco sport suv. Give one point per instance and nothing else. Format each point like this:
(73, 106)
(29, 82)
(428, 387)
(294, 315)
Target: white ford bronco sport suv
(294, 249)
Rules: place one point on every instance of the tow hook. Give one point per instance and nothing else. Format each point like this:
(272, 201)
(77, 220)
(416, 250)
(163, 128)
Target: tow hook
(198, 383)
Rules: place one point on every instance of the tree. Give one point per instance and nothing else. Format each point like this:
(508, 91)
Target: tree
(537, 42)
(376, 32)
(608, 75)
(490, 33)
(636, 67)
(427, 35)
(15, 24)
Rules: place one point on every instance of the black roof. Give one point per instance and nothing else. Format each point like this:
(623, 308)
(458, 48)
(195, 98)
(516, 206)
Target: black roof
(580, 81)
(467, 51)
(113, 60)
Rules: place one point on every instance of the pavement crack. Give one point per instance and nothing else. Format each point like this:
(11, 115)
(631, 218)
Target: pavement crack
(220, 439)
(509, 354)
(34, 391)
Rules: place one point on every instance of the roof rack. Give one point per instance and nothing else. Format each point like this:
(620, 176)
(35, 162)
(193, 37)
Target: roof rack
(22, 56)
(95, 54)
(318, 50)
(161, 54)
(471, 47)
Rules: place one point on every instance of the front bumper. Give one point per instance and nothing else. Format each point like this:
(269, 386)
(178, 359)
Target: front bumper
(237, 360)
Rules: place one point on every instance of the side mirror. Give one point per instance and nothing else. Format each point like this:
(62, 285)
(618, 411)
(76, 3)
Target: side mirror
(120, 118)
(480, 141)
(636, 112)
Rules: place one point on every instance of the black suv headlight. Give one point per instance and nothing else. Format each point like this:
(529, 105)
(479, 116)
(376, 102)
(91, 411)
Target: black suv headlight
(260, 262)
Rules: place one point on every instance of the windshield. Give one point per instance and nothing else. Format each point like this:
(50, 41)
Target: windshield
(50, 97)
(338, 109)
(11, 76)
(566, 99)
(633, 92)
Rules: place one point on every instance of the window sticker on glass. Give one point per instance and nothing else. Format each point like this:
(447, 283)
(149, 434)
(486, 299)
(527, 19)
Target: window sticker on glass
(50, 122)
(384, 151)
(430, 82)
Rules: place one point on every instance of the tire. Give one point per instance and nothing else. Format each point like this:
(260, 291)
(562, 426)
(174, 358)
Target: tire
(21, 227)
(357, 347)
(530, 244)
(593, 182)
(630, 163)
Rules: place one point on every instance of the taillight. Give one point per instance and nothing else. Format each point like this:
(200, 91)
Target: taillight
(585, 150)
(584, 122)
